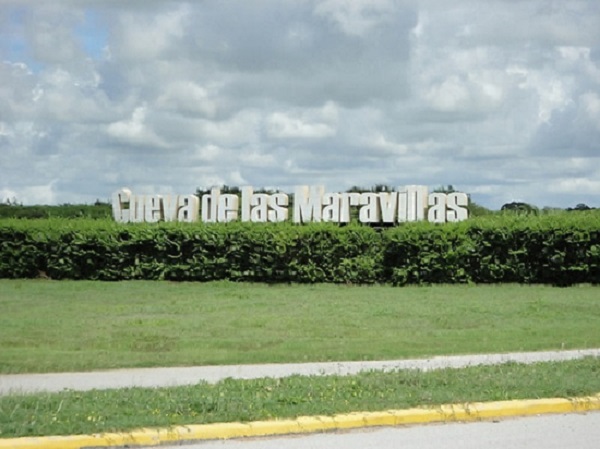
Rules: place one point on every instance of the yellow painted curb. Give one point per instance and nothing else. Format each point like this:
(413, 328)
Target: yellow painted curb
(444, 413)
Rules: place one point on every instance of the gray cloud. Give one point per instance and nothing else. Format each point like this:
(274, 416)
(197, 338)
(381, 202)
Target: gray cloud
(500, 99)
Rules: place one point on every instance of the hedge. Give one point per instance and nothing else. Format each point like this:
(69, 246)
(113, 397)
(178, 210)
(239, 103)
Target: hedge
(561, 249)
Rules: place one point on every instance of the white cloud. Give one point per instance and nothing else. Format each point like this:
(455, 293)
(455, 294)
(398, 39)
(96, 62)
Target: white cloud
(590, 102)
(255, 158)
(310, 123)
(382, 144)
(146, 34)
(450, 95)
(576, 186)
(553, 96)
(243, 128)
(208, 153)
(134, 130)
(8, 196)
(4, 131)
(237, 179)
(50, 29)
(34, 194)
(574, 53)
(187, 97)
(281, 125)
(175, 95)
(356, 17)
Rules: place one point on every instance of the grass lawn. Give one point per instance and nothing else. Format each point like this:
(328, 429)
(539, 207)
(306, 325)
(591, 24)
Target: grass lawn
(71, 412)
(81, 325)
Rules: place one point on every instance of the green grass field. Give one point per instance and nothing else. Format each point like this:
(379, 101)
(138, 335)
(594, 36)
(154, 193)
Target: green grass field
(79, 325)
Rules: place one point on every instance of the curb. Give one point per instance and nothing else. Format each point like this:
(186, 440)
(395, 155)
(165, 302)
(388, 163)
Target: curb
(476, 411)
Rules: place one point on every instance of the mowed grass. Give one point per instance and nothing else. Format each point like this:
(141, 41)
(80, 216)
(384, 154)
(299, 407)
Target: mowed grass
(48, 326)
(71, 412)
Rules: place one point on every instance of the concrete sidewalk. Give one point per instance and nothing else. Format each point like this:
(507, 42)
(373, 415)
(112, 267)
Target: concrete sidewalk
(164, 377)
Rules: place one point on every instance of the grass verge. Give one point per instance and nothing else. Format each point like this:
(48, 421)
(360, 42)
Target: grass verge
(70, 413)
(50, 326)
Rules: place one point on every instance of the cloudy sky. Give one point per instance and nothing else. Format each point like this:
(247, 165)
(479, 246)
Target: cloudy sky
(500, 98)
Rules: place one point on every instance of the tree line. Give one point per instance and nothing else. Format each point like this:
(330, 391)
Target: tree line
(11, 208)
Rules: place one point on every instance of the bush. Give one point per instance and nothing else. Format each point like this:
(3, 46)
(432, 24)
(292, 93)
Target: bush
(560, 249)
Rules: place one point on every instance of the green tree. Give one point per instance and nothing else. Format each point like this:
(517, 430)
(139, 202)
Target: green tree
(520, 208)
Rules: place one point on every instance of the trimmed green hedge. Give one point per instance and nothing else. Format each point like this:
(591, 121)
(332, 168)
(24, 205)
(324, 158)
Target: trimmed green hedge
(561, 249)
(101, 211)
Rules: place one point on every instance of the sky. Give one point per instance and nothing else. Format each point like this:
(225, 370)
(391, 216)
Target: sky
(498, 98)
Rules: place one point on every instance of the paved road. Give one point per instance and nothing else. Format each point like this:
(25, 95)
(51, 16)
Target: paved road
(159, 377)
(581, 431)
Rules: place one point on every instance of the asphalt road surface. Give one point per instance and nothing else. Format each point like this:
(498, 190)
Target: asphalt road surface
(581, 431)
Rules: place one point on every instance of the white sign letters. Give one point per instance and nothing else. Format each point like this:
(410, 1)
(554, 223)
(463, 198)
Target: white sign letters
(310, 204)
